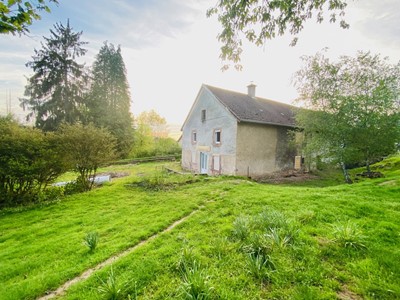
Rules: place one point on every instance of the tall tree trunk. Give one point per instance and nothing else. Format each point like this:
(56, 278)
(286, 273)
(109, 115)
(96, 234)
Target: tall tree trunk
(346, 175)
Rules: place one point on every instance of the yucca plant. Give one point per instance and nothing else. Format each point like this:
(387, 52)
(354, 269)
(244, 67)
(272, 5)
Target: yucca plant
(91, 240)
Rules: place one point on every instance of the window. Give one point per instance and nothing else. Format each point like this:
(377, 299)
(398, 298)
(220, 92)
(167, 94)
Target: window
(216, 163)
(217, 136)
(203, 115)
(194, 136)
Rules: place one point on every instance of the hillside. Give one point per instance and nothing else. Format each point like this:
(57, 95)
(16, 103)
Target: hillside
(237, 239)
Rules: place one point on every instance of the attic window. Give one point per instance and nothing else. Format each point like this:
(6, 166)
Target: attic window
(203, 115)
(217, 137)
(194, 136)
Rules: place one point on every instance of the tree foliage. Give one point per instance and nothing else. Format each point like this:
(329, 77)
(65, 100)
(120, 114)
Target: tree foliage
(109, 99)
(151, 136)
(353, 106)
(260, 20)
(156, 123)
(86, 148)
(54, 93)
(17, 15)
(29, 160)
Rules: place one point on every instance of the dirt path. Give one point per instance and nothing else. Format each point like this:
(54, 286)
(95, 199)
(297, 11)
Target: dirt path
(62, 289)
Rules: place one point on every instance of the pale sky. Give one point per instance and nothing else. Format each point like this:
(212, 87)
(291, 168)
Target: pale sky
(170, 48)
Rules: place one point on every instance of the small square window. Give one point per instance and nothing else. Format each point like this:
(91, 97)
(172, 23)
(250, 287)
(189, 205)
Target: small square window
(203, 115)
(217, 136)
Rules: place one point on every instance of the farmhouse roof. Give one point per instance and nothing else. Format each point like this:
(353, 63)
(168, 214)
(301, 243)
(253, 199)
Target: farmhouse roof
(254, 109)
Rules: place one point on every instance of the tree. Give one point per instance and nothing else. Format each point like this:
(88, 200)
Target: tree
(109, 99)
(17, 15)
(260, 20)
(156, 123)
(55, 92)
(353, 107)
(151, 136)
(86, 148)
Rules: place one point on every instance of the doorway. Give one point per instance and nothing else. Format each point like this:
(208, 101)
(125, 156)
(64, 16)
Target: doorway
(203, 163)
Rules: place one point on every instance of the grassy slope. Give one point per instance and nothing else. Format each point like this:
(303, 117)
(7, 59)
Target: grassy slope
(316, 267)
(41, 248)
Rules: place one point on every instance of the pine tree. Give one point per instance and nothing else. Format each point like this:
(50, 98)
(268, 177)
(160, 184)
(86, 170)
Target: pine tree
(109, 98)
(54, 93)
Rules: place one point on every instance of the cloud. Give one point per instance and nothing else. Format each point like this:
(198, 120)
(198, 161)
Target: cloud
(136, 24)
(381, 20)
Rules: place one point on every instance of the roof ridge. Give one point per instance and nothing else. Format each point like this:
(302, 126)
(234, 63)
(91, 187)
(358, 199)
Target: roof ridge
(254, 98)
(254, 109)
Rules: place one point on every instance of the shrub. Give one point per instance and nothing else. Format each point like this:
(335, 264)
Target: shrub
(30, 160)
(86, 148)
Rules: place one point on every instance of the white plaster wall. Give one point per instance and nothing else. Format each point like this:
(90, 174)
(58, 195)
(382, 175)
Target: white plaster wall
(217, 117)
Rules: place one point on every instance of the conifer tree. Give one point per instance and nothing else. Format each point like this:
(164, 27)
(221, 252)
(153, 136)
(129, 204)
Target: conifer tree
(109, 99)
(54, 93)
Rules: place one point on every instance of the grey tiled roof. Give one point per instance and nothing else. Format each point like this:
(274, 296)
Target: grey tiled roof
(254, 110)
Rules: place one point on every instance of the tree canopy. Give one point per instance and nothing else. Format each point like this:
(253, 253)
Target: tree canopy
(86, 148)
(17, 15)
(156, 123)
(109, 99)
(54, 93)
(260, 20)
(353, 106)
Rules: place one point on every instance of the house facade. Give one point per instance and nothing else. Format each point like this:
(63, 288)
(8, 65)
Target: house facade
(232, 133)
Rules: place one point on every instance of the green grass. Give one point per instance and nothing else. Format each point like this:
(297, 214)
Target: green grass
(247, 241)
(43, 246)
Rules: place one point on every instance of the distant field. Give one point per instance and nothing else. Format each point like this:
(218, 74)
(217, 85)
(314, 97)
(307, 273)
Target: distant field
(246, 241)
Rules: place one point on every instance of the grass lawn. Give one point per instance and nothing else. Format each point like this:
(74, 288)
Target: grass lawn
(247, 241)
(42, 247)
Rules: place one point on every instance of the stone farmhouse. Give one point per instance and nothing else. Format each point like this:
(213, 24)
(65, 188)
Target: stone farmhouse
(232, 133)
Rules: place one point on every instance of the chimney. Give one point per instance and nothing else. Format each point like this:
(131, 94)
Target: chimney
(251, 90)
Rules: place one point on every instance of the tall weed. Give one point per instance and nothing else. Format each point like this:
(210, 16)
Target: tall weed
(349, 235)
(260, 266)
(110, 289)
(241, 228)
(195, 283)
(91, 240)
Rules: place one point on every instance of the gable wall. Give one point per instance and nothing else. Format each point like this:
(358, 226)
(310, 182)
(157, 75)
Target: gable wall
(217, 117)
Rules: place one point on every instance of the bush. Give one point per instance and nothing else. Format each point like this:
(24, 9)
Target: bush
(30, 160)
(86, 148)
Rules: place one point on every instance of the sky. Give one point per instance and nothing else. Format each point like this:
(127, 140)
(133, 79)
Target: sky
(170, 49)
